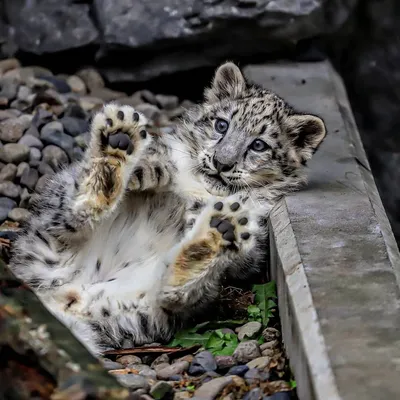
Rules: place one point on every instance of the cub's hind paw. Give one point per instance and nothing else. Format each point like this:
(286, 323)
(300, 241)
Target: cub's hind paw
(119, 132)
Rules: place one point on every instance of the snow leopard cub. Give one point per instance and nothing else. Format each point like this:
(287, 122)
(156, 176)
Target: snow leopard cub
(129, 243)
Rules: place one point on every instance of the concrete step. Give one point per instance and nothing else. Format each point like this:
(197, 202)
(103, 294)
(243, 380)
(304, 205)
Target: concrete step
(333, 254)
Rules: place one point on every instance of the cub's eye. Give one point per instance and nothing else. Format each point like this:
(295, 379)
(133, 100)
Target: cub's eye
(221, 126)
(259, 145)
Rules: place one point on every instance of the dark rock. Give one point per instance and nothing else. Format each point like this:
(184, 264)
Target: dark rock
(9, 189)
(208, 376)
(53, 133)
(8, 173)
(41, 118)
(252, 376)
(19, 215)
(60, 85)
(203, 362)
(238, 370)
(175, 378)
(151, 112)
(110, 365)
(160, 390)
(167, 102)
(75, 111)
(254, 394)
(31, 141)
(162, 359)
(21, 168)
(54, 156)
(32, 131)
(6, 205)
(74, 126)
(14, 153)
(148, 97)
(48, 27)
(29, 178)
(77, 154)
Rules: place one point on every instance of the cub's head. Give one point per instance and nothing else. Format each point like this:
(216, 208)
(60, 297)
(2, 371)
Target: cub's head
(244, 137)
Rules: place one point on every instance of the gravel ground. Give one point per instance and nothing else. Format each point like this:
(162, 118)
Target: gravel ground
(44, 121)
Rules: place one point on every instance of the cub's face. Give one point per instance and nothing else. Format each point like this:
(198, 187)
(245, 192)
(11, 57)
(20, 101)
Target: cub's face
(247, 137)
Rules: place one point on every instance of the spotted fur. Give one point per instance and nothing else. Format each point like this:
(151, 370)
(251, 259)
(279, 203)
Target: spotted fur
(129, 243)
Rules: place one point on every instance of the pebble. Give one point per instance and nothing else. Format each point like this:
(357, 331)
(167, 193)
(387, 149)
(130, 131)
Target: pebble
(74, 126)
(8, 64)
(203, 362)
(106, 94)
(110, 365)
(5, 114)
(273, 344)
(144, 370)
(133, 381)
(150, 111)
(176, 378)
(249, 330)
(91, 78)
(238, 370)
(182, 395)
(270, 334)
(10, 189)
(160, 390)
(253, 375)
(75, 111)
(8, 88)
(24, 93)
(32, 131)
(124, 360)
(14, 153)
(174, 369)
(53, 133)
(34, 156)
(6, 205)
(167, 102)
(89, 103)
(41, 118)
(268, 353)
(8, 172)
(247, 351)
(25, 197)
(41, 183)
(21, 168)
(254, 394)
(211, 389)
(225, 362)
(60, 84)
(31, 141)
(29, 178)
(76, 84)
(148, 97)
(162, 359)
(11, 130)
(54, 156)
(260, 362)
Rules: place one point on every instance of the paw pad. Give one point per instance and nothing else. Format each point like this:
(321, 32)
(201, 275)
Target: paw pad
(224, 227)
(121, 141)
(235, 206)
(219, 206)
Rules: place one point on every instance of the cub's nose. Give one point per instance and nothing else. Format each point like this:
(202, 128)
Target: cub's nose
(221, 167)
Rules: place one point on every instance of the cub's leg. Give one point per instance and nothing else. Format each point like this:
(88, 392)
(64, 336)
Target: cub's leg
(226, 238)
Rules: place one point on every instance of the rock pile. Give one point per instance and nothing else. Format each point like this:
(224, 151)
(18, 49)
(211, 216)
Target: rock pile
(44, 123)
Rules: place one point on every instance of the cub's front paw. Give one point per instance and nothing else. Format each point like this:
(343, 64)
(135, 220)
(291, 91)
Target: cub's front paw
(119, 132)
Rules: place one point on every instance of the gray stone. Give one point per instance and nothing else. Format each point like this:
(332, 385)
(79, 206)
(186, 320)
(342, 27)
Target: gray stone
(14, 153)
(128, 359)
(21, 168)
(162, 359)
(8, 88)
(9, 189)
(24, 93)
(160, 390)
(148, 97)
(254, 394)
(174, 369)
(107, 95)
(238, 370)
(260, 362)
(41, 183)
(150, 111)
(91, 78)
(31, 141)
(8, 172)
(211, 389)
(225, 362)
(110, 365)
(54, 156)
(74, 126)
(273, 344)
(19, 215)
(144, 370)
(6, 205)
(34, 156)
(59, 84)
(249, 330)
(32, 131)
(203, 362)
(247, 351)
(25, 197)
(271, 334)
(167, 102)
(29, 178)
(11, 130)
(133, 381)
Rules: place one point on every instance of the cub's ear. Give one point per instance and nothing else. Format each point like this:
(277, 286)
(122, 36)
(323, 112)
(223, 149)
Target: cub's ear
(306, 133)
(228, 82)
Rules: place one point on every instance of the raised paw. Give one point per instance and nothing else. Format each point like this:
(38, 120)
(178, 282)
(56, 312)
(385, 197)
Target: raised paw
(119, 132)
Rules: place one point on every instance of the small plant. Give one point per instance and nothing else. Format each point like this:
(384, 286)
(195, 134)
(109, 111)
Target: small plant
(220, 343)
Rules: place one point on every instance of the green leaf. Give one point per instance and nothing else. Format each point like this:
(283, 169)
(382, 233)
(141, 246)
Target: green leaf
(214, 342)
(293, 384)
(226, 351)
(190, 388)
(187, 338)
(263, 295)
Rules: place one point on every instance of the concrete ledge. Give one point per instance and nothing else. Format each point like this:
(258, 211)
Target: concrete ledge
(333, 254)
